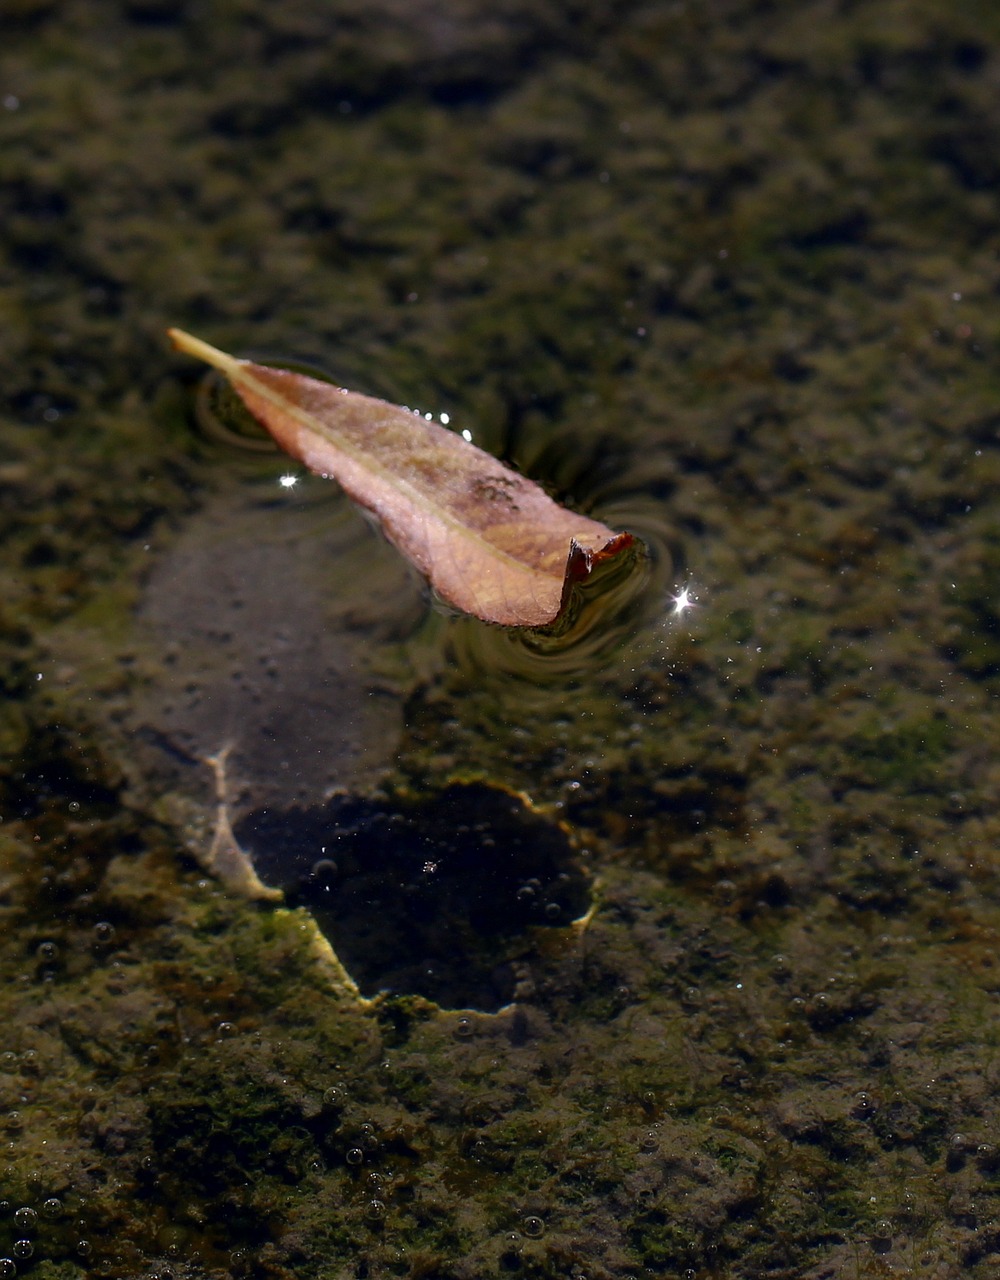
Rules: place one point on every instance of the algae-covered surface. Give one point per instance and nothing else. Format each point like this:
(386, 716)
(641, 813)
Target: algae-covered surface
(668, 949)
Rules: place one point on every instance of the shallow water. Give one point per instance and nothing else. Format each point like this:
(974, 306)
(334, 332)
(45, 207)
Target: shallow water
(664, 949)
(269, 616)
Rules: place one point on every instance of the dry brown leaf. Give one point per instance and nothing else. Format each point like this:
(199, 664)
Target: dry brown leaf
(490, 542)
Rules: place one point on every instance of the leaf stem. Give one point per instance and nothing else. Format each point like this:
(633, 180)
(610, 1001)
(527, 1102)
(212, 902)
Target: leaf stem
(203, 351)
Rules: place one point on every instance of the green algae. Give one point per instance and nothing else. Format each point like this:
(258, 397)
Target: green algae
(704, 1078)
(727, 270)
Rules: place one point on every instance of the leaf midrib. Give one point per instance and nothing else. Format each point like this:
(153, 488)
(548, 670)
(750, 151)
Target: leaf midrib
(241, 371)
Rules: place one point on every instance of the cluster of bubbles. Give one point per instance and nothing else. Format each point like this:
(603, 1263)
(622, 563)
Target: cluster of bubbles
(531, 1227)
(26, 1221)
(49, 953)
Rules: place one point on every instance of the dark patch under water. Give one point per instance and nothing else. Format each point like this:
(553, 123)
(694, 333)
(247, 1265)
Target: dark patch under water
(435, 896)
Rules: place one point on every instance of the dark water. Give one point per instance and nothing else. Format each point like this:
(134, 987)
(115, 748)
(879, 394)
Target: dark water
(666, 949)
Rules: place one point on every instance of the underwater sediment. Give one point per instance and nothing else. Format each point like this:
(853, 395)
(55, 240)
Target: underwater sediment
(724, 275)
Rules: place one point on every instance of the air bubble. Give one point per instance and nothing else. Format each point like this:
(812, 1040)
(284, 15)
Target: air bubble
(104, 932)
(52, 1207)
(22, 1249)
(8, 1268)
(224, 1030)
(333, 1097)
(533, 1226)
(864, 1106)
(47, 951)
(552, 911)
(324, 870)
(464, 1028)
(375, 1211)
(725, 891)
(355, 1156)
(26, 1218)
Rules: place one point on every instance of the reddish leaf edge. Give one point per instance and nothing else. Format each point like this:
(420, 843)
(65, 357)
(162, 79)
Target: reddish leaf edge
(584, 567)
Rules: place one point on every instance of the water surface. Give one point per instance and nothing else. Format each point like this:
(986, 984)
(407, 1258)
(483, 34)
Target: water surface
(725, 274)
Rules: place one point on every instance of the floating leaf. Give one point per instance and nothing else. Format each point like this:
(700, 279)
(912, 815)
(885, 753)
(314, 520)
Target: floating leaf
(489, 541)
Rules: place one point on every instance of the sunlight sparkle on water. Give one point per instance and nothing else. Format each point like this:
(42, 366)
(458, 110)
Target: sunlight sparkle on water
(684, 600)
(288, 481)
